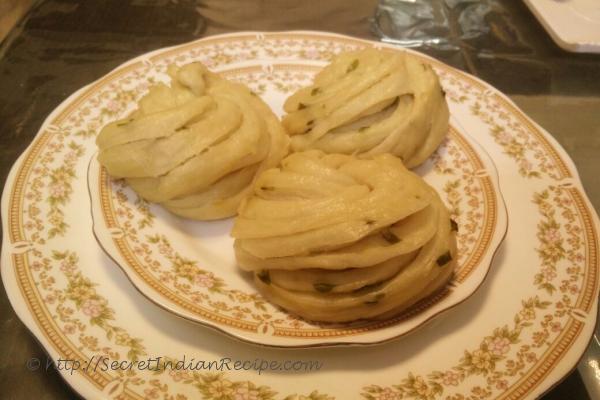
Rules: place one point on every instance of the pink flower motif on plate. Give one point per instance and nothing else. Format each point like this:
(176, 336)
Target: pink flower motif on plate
(58, 189)
(551, 235)
(245, 393)
(549, 273)
(498, 345)
(204, 280)
(113, 106)
(92, 308)
(451, 378)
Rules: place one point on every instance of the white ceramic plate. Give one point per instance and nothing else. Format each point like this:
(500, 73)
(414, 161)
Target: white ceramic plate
(516, 336)
(573, 24)
(189, 268)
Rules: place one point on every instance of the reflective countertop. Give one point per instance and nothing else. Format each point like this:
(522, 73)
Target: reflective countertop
(62, 45)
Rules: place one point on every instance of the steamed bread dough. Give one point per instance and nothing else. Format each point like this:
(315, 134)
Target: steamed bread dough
(370, 102)
(336, 238)
(194, 146)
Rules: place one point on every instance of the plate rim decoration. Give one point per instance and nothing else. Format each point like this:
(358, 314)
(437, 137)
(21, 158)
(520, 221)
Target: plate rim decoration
(110, 236)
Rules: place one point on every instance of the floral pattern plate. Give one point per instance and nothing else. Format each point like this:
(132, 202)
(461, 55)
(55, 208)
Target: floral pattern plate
(516, 336)
(188, 267)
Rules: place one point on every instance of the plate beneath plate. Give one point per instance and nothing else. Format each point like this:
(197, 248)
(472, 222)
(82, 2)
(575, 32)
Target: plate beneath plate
(521, 332)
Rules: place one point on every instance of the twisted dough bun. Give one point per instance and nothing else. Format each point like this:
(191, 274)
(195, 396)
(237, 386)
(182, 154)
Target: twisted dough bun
(370, 102)
(336, 238)
(196, 146)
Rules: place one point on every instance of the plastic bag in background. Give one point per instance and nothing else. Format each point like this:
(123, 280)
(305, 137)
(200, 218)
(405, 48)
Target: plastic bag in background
(447, 25)
(413, 23)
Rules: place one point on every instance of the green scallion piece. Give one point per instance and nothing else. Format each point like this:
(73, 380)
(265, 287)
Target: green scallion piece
(375, 299)
(444, 259)
(453, 225)
(264, 276)
(323, 287)
(389, 236)
(352, 66)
